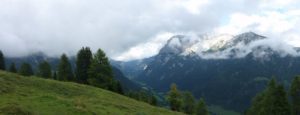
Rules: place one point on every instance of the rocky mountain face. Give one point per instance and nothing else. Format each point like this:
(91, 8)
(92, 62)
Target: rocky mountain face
(228, 71)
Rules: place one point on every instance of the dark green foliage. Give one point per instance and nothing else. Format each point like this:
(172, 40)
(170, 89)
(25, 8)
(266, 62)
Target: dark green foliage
(83, 62)
(12, 68)
(153, 100)
(174, 98)
(64, 72)
(26, 70)
(201, 108)
(116, 87)
(295, 95)
(2, 61)
(100, 72)
(44, 70)
(54, 75)
(272, 101)
(188, 103)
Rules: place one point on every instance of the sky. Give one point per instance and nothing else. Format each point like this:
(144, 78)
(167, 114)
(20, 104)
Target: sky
(135, 29)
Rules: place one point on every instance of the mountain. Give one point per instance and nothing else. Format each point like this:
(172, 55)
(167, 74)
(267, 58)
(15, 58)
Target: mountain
(21, 95)
(132, 68)
(228, 71)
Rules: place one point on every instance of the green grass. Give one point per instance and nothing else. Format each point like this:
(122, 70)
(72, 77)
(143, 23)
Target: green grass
(36, 96)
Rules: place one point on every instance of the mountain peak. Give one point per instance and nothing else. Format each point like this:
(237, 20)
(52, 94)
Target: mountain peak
(177, 44)
(247, 37)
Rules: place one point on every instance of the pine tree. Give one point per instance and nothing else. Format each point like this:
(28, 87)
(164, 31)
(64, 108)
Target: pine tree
(83, 62)
(100, 72)
(44, 70)
(282, 106)
(295, 95)
(272, 101)
(119, 88)
(64, 72)
(188, 103)
(257, 105)
(201, 108)
(54, 75)
(26, 70)
(174, 98)
(2, 61)
(153, 100)
(12, 68)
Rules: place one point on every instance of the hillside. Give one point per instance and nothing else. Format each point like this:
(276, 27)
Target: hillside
(32, 95)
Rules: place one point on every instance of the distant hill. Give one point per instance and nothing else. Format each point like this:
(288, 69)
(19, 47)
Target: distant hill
(32, 95)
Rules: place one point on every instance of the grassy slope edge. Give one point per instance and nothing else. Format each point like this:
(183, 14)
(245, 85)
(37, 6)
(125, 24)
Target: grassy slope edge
(32, 95)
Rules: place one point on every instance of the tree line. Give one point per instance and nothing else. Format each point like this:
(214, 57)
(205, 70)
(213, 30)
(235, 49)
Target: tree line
(185, 102)
(274, 100)
(91, 69)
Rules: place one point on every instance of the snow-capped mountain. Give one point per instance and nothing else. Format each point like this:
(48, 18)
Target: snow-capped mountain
(226, 70)
(226, 46)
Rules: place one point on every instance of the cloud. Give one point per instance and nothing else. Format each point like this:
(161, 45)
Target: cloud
(121, 28)
(145, 49)
(55, 26)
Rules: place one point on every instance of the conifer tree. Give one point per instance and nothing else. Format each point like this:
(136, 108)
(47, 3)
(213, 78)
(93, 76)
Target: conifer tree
(44, 70)
(153, 100)
(83, 62)
(2, 61)
(272, 101)
(295, 95)
(174, 98)
(12, 68)
(118, 87)
(188, 103)
(26, 69)
(54, 75)
(201, 108)
(100, 72)
(64, 72)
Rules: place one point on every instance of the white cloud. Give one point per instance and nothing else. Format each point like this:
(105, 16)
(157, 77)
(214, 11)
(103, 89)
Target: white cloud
(57, 26)
(147, 49)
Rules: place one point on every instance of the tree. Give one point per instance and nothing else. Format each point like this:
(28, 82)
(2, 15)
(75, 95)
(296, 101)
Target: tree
(54, 75)
(153, 100)
(26, 69)
(188, 103)
(2, 61)
(44, 70)
(174, 98)
(118, 87)
(83, 62)
(12, 68)
(64, 72)
(100, 72)
(295, 95)
(201, 108)
(272, 101)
